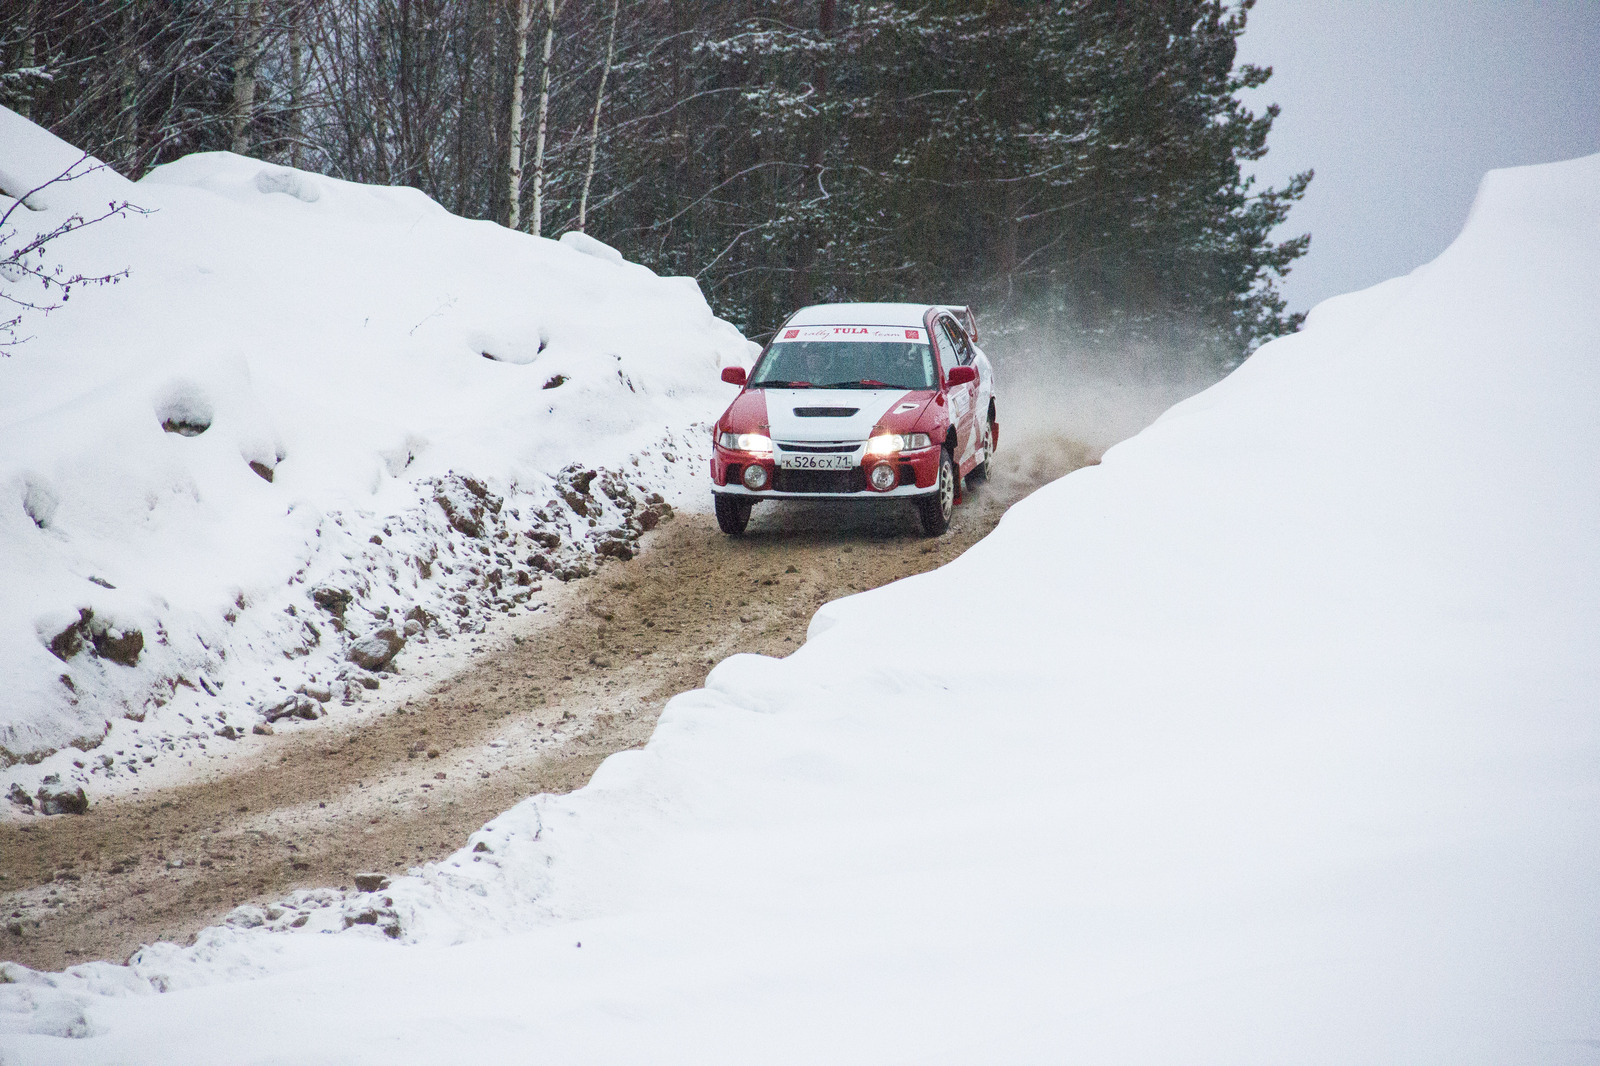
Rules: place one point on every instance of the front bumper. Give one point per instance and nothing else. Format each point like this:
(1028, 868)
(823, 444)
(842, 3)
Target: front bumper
(779, 494)
(916, 473)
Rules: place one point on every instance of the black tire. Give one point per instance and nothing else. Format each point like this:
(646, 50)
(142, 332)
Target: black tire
(934, 509)
(733, 514)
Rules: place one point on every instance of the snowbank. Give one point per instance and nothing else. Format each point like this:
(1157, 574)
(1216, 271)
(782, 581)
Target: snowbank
(1273, 738)
(313, 410)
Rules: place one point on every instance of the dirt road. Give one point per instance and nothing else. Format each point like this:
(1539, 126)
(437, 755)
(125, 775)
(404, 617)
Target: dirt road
(535, 713)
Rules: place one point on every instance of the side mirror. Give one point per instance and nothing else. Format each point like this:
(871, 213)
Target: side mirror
(959, 375)
(733, 375)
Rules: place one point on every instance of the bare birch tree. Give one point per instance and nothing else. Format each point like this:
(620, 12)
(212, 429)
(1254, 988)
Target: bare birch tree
(550, 10)
(247, 15)
(514, 134)
(297, 80)
(594, 130)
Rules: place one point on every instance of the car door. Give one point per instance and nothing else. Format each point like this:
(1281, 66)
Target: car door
(963, 398)
(983, 390)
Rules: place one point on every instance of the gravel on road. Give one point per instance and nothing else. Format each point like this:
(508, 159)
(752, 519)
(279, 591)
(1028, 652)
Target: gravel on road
(535, 711)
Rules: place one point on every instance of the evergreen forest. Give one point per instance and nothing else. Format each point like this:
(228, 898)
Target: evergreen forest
(1082, 160)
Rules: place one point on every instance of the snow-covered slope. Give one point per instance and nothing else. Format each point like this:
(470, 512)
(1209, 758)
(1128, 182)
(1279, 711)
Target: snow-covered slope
(1273, 738)
(305, 386)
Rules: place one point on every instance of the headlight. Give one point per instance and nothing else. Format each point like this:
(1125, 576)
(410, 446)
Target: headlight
(745, 442)
(889, 443)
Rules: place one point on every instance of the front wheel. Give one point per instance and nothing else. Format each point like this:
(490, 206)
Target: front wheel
(733, 514)
(934, 509)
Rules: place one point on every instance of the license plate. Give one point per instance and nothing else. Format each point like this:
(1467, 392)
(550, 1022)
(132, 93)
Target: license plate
(805, 461)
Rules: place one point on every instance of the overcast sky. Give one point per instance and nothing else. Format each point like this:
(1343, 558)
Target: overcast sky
(1401, 105)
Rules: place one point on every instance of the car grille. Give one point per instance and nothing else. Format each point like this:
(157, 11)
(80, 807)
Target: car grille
(820, 480)
(821, 448)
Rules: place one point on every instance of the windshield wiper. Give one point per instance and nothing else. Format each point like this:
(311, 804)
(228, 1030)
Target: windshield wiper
(872, 383)
(780, 384)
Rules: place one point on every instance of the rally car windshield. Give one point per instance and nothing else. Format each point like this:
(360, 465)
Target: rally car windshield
(846, 365)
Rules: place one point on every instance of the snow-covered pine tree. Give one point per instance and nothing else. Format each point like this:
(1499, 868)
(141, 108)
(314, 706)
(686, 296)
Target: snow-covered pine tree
(1078, 159)
(1082, 158)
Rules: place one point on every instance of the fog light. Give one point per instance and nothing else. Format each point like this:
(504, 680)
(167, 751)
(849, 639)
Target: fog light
(882, 477)
(755, 476)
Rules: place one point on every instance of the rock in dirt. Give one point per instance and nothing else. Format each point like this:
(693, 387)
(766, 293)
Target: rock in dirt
(573, 487)
(294, 706)
(466, 503)
(373, 651)
(119, 645)
(69, 642)
(333, 600)
(108, 642)
(246, 916)
(63, 802)
(371, 882)
(617, 547)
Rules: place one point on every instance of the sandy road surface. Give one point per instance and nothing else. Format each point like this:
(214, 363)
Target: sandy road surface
(536, 713)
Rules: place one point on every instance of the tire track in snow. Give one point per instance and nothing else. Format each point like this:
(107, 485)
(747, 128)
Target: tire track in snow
(535, 712)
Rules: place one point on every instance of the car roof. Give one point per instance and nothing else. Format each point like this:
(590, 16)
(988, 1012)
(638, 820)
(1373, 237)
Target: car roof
(860, 314)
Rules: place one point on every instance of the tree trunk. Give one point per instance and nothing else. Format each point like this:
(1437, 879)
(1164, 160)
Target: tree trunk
(1012, 206)
(801, 286)
(406, 94)
(297, 80)
(247, 32)
(594, 132)
(128, 90)
(544, 118)
(514, 136)
(30, 26)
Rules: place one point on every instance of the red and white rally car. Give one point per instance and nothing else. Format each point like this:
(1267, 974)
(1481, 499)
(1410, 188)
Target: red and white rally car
(858, 401)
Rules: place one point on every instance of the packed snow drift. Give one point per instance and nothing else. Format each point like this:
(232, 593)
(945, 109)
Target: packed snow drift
(316, 422)
(1273, 738)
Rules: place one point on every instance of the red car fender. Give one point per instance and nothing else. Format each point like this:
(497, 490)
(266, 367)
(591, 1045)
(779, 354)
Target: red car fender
(746, 414)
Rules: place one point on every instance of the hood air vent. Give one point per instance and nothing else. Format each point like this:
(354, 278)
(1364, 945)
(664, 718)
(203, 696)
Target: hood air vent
(825, 412)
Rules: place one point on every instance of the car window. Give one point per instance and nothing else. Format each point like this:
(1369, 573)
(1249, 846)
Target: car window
(963, 345)
(954, 343)
(947, 351)
(846, 364)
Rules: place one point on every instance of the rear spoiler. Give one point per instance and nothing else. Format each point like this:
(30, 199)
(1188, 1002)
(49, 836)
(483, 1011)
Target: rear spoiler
(965, 315)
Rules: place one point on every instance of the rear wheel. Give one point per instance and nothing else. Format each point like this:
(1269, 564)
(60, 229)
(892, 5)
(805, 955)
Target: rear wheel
(981, 471)
(733, 514)
(934, 509)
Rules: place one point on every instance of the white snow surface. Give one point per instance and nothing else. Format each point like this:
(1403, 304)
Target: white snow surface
(368, 349)
(1273, 738)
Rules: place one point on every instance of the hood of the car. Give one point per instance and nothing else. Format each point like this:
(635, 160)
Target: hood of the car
(831, 414)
